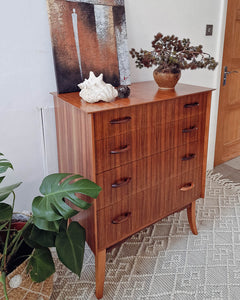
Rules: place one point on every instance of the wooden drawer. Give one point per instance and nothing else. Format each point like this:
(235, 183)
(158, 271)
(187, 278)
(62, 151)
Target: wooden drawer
(112, 123)
(142, 174)
(176, 109)
(108, 232)
(135, 212)
(164, 199)
(115, 122)
(121, 149)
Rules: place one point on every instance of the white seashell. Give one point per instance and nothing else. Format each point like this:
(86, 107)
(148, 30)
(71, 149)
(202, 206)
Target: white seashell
(95, 89)
(15, 282)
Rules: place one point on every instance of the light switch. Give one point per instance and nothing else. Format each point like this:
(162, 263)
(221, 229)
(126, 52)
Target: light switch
(209, 29)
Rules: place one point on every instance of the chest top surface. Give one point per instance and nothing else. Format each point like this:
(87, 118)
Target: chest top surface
(141, 93)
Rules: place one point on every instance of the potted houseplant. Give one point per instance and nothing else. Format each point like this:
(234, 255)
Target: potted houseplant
(46, 227)
(171, 55)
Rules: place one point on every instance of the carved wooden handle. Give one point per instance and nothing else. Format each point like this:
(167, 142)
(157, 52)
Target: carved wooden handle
(188, 157)
(190, 129)
(190, 105)
(122, 149)
(187, 187)
(121, 120)
(122, 218)
(122, 182)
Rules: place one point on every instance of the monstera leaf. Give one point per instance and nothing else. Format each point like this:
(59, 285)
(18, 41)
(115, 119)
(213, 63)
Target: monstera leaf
(6, 212)
(55, 188)
(48, 225)
(70, 244)
(7, 190)
(4, 165)
(37, 238)
(41, 265)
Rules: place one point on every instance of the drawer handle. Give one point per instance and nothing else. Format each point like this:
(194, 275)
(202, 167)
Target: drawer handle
(190, 105)
(122, 218)
(188, 157)
(121, 120)
(122, 182)
(190, 129)
(122, 149)
(187, 187)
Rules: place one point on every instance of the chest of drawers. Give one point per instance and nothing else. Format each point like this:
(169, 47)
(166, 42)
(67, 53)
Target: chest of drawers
(147, 152)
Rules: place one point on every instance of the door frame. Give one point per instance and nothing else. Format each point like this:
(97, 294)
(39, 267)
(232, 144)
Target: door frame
(218, 83)
(220, 75)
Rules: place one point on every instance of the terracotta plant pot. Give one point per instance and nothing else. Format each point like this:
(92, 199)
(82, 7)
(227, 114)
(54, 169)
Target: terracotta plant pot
(166, 80)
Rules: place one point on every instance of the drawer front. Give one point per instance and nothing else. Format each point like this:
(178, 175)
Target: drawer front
(139, 175)
(120, 220)
(115, 122)
(164, 199)
(180, 108)
(113, 223)
(121, 149)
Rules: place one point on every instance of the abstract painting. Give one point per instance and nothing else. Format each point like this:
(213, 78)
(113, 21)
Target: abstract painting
(88, 35)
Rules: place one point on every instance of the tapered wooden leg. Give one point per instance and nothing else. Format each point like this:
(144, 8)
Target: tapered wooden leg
(100, 263)
(191, 217)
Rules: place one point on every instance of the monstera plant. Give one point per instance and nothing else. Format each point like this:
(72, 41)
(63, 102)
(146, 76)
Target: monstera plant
(46, 227)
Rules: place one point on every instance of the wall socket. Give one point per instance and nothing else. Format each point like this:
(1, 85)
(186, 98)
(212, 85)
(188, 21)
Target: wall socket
(209, 29)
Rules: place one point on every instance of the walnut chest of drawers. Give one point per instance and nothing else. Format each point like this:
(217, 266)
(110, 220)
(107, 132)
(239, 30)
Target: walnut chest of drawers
(147, 152)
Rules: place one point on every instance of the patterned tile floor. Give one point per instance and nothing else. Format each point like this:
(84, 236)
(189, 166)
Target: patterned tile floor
(230, 169)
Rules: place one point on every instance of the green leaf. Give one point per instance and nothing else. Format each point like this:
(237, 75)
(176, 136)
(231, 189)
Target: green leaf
(79, 202)
(70, 247)
(41, 265)
(4, 165)
(3, 225)
(5, 212)
(43, 209)
(38, 238)
(47, 225)
(7, 190)
(1, 178)
(27, 237)
(55, 188)
(63, 225)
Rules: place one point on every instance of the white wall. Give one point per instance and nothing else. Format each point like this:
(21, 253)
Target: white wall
(27, 75)
(185, 19)
(26, 78)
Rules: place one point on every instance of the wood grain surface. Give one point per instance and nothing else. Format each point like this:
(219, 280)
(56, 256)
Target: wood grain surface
(147, 172)
(148, 152)
(147, 141)
(146, 207)
(141, 93)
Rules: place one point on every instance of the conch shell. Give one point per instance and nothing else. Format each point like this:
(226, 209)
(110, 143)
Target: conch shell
(95, 89)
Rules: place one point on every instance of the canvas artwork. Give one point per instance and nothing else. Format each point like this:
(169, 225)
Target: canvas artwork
(88, 35)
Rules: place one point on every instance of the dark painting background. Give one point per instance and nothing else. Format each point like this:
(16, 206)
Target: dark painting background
(101, 40)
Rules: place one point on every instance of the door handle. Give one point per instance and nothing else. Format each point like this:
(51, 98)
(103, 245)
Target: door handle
(190, 129)
(226, 72)
(122, 182)
(187, 187)
(122, 149)
(122, 218)
(120, 120)
(189, 157)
